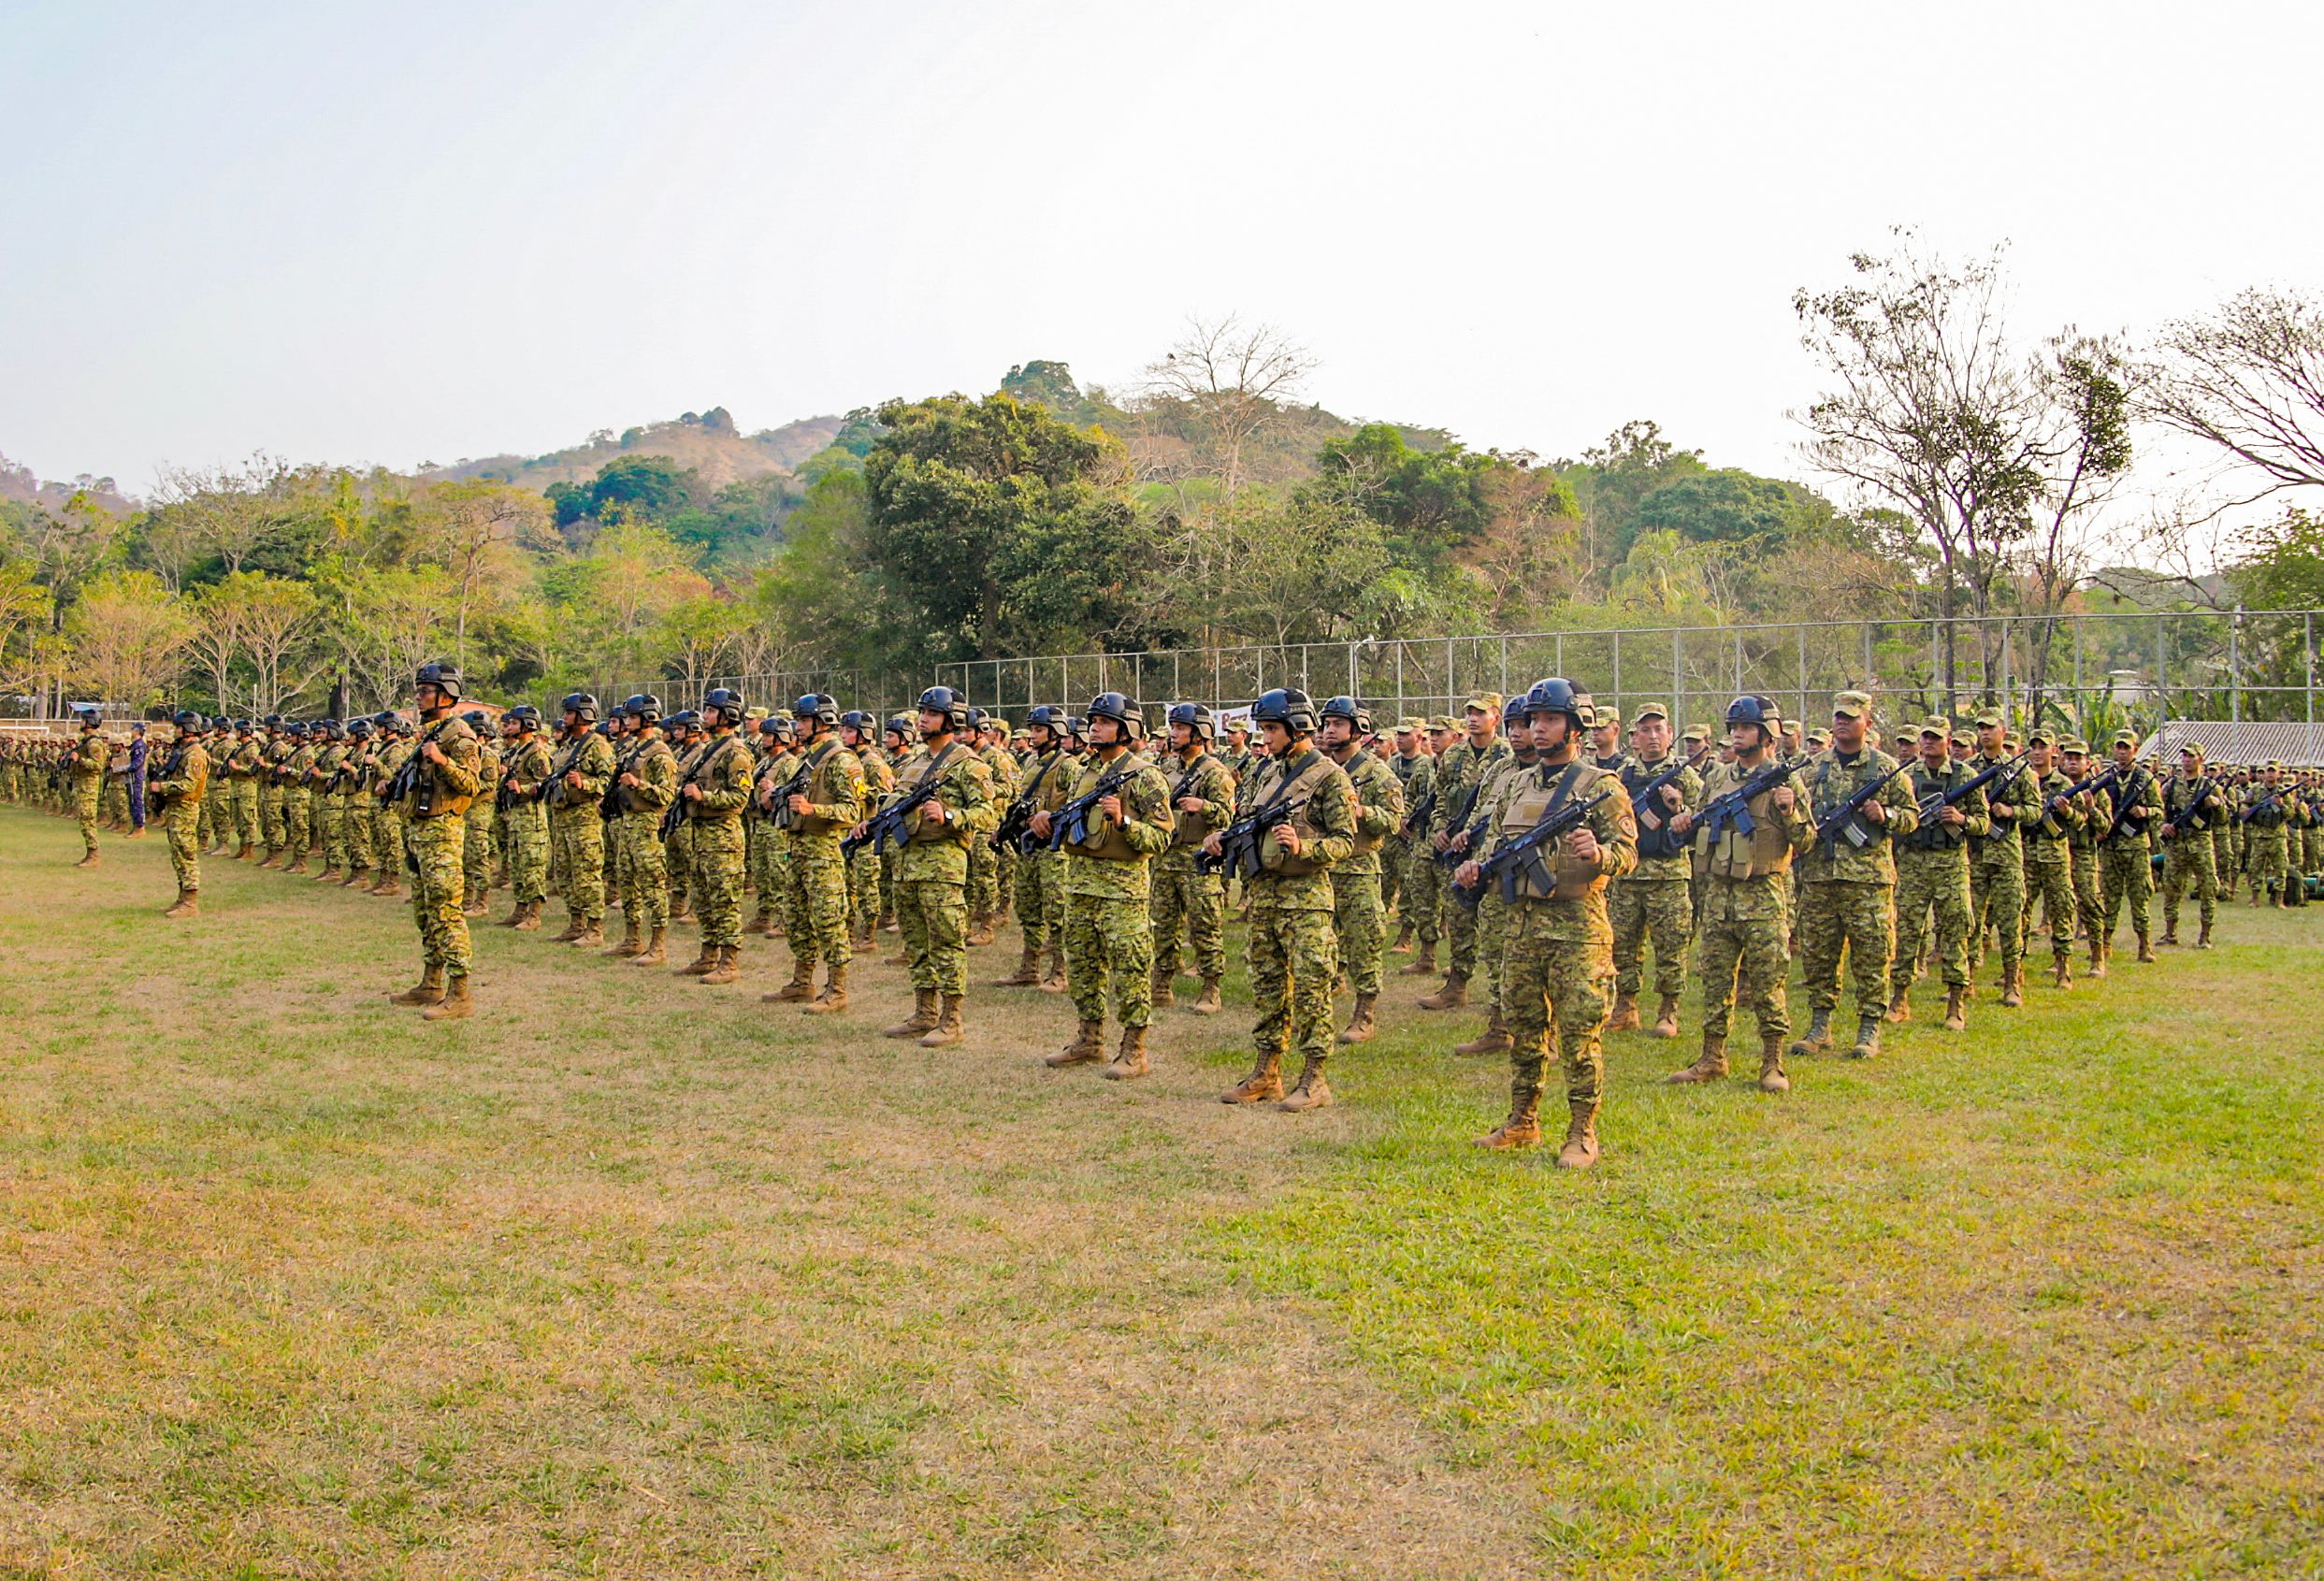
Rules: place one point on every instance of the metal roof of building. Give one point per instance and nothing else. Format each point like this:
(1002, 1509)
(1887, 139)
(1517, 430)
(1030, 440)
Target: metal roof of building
(2298, 746)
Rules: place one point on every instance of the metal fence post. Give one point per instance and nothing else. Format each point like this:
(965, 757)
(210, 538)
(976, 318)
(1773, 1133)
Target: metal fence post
(2307, 653)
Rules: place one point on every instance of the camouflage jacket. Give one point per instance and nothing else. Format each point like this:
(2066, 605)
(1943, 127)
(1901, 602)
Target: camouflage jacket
(90, 754)
(1460, 768)
(655, 769)
(1417, 775)
(1764, 896)
(1935, 834)
(834, 792)
(2023, 804)
(1379, 811)
(1144, 829)
(1663, 856)
(938, 853)
(2138, 791)
(183, 777)
(437, 785)
(1330, 816)
(723, 774)
(2178, 801)
(524, 770)
(589, 755)
(1581, 918)
(2045, 837)
(1832, 777)
(1208, 781)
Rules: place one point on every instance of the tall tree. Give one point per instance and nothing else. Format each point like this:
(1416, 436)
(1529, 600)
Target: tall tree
(472, 525)
(127, 633)
(1235, 378)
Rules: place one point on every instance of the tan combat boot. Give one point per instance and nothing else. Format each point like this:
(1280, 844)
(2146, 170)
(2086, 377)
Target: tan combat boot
(1665, 1018)
(1818, 1036)
(185, 907)
(726, 967)
(1028, 972)
(1956, 1008)
(1900, 1005)
(1772, 1077)
(298, 863)
(980, 930)
(1088, 1047)
(1523, 1128)
(1053, 981)
(1129, 1062)
(1452, 996)
(455, 1006)
(1709, 1066)
(2094, 967)
(354, 879)
(653, 953)
(1495, 1038)
(1360, 1025)
(923, 1016)
(632, 939)
(574, 927)
(1207, 1003)
(1164, 995)
(888, 923)
(478, 903)
(2169, 934)
(392, 889)
(531, 921)
(516, 914)
(1868, 1037)
(2061, 973)
(2146, 949)
(429, 988)
(701, 965)
(592, 934)
(1580, 1149)
(1263, 1086)
(244, 855)
(833, 999)
(2013, 986)
(1403, 947)
(2203, 940)
(762, 924)
(329, 873)
(1312, 1091)
(681, 905)
(948, 1029)
(800, 988)
(1421, 964)
(1625, 1017)
(271, 860)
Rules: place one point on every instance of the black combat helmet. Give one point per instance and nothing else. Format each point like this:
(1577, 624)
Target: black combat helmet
(1752, 710)
(1119, 708)
(359, 729)
(445, 678)
(945, 700)
(1204, 722)
(581, 704)
(1554, 694)
(1354, 713)
(645, 705)
(857, 719)
(186, 719)
(1287, 706)
(524, 715)
(726, 703)
(821, 707)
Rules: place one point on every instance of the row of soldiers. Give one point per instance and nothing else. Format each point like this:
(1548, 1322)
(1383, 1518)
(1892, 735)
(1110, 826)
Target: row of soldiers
(1116, 852)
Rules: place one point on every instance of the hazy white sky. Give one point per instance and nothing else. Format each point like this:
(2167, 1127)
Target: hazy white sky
(420, 230)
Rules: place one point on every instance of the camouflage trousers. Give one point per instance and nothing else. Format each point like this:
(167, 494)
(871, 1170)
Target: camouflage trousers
(1658, 911)
(335, 846)
(437, 898)
(2089, 911)
(85, 795)
(2129, 876)
(984, 878)
(863, 891)
(678, 856)
(2265, 860)
(1492, 920)
(356, 825)
(933, 916)
(616, 859)
(2055, 881)
(1109, 944)
(1041, 898)
(887, 883)
(529, 851)
(1423, 897)
(644, 871)
(1859, 918)
(476, 849)
(1395, 852)
(240, 813)
(319, 824)
(766, 872)
(1460, 932)
(116, 800)
(2189, 863)
(1997, 902)
(1361, 924)
(1931, 882)
(2227, 855)
(1293, 959)
(272, 831)
(819, 928)
(1557, 995)
(387, 839)
(1746, 956)
(578, 835)
(298, 821)
(1006, 865)
(1189, 904)
(717, 851)
(182, 824)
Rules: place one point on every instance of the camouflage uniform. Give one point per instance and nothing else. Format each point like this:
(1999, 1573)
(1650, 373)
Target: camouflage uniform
(1460, 770)
(1848, 890)
(1109, 940)
(1932, 876)
(476, 852)
(770, 847)
(932, 872)
(2128, 865)
(526, 820)
(575, 828)
(2267, 824)
(715, 831)
(387, 836)
(820, 926)
(181, 788)
(273, 830)
(299, 802)
(435, 821)
(864, 867)
(1743, 938)
(92, 753)
(2189, 856)
(2051, 862)
(983, 862)
(1414, 776)
(328, 810)
(1654, 901)
(1359, 914)
(1996, 874)
(244, 763)
(1292, 954)
(645, 874)
(1490, 914)
(1186, 900)
(1040, 872)
(1560, 944)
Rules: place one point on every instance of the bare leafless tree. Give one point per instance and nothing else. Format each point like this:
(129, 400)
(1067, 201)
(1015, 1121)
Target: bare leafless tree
(1234, 380)
(2248, 383)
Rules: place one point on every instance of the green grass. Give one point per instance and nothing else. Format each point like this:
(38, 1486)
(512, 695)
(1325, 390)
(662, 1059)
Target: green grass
(627, 1277)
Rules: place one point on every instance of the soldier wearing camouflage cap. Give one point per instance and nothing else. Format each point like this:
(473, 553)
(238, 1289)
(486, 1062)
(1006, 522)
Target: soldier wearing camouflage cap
(1415, 770)
(1461, 769)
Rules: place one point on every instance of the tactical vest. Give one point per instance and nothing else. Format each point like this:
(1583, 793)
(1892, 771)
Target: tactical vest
(1541, 794)
(1933, 834)
(1104, 838)
(1737, 856)
(1298, 790)
(817, 789)
(1655, 837)
(1190, 829)
(1365, 842)
(952, 828)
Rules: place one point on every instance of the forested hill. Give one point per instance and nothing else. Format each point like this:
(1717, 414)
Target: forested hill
(707, 444)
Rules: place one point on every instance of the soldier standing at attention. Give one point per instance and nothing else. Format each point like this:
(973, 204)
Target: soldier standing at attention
(827, 802)
(1932, 876)
(1559, 967)
(330, 807)
(1109, 940)
(175, 797)
(1848, 879)
(2191, 803)
(1040, 872)
(2048, 859)
(983, 861)
(1411, 767)
(1187, 900)
(689, 743)
(1654, 902)
(1294, 955)
(92, 754)
(434, 802)
(771, 771)
(2129, 871)
(2267, 820)
(524, 774)
(583, 767)
(274, 833)
(1007, 774)
(1997, 875)
(2097, 813)
(863, 868)
(354, 792)
(297, 820)
(1742, 941)
(714, 793)
(1490, 910)
(931, 873)
(644, 784)
(1420, 895)
(1460, 782)
(476, 853)
(387, 837)
(1358, 916)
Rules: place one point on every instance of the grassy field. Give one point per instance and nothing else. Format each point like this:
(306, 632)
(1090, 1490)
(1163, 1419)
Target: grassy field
(630, 1277)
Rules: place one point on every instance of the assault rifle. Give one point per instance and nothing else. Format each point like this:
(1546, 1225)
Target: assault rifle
(1416, 820)
(676, 809)
(158, 802)
(1016, 830)
(2265, 801)
(1526, 855)
(410, 777)
(1732, 808)
(1071, 821)
(1646, 805)
(1454, 855)
(1844, 822)
(1937, 801)
(1239, 842)
(780, 814)
(890, 822)
(2197, 821)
